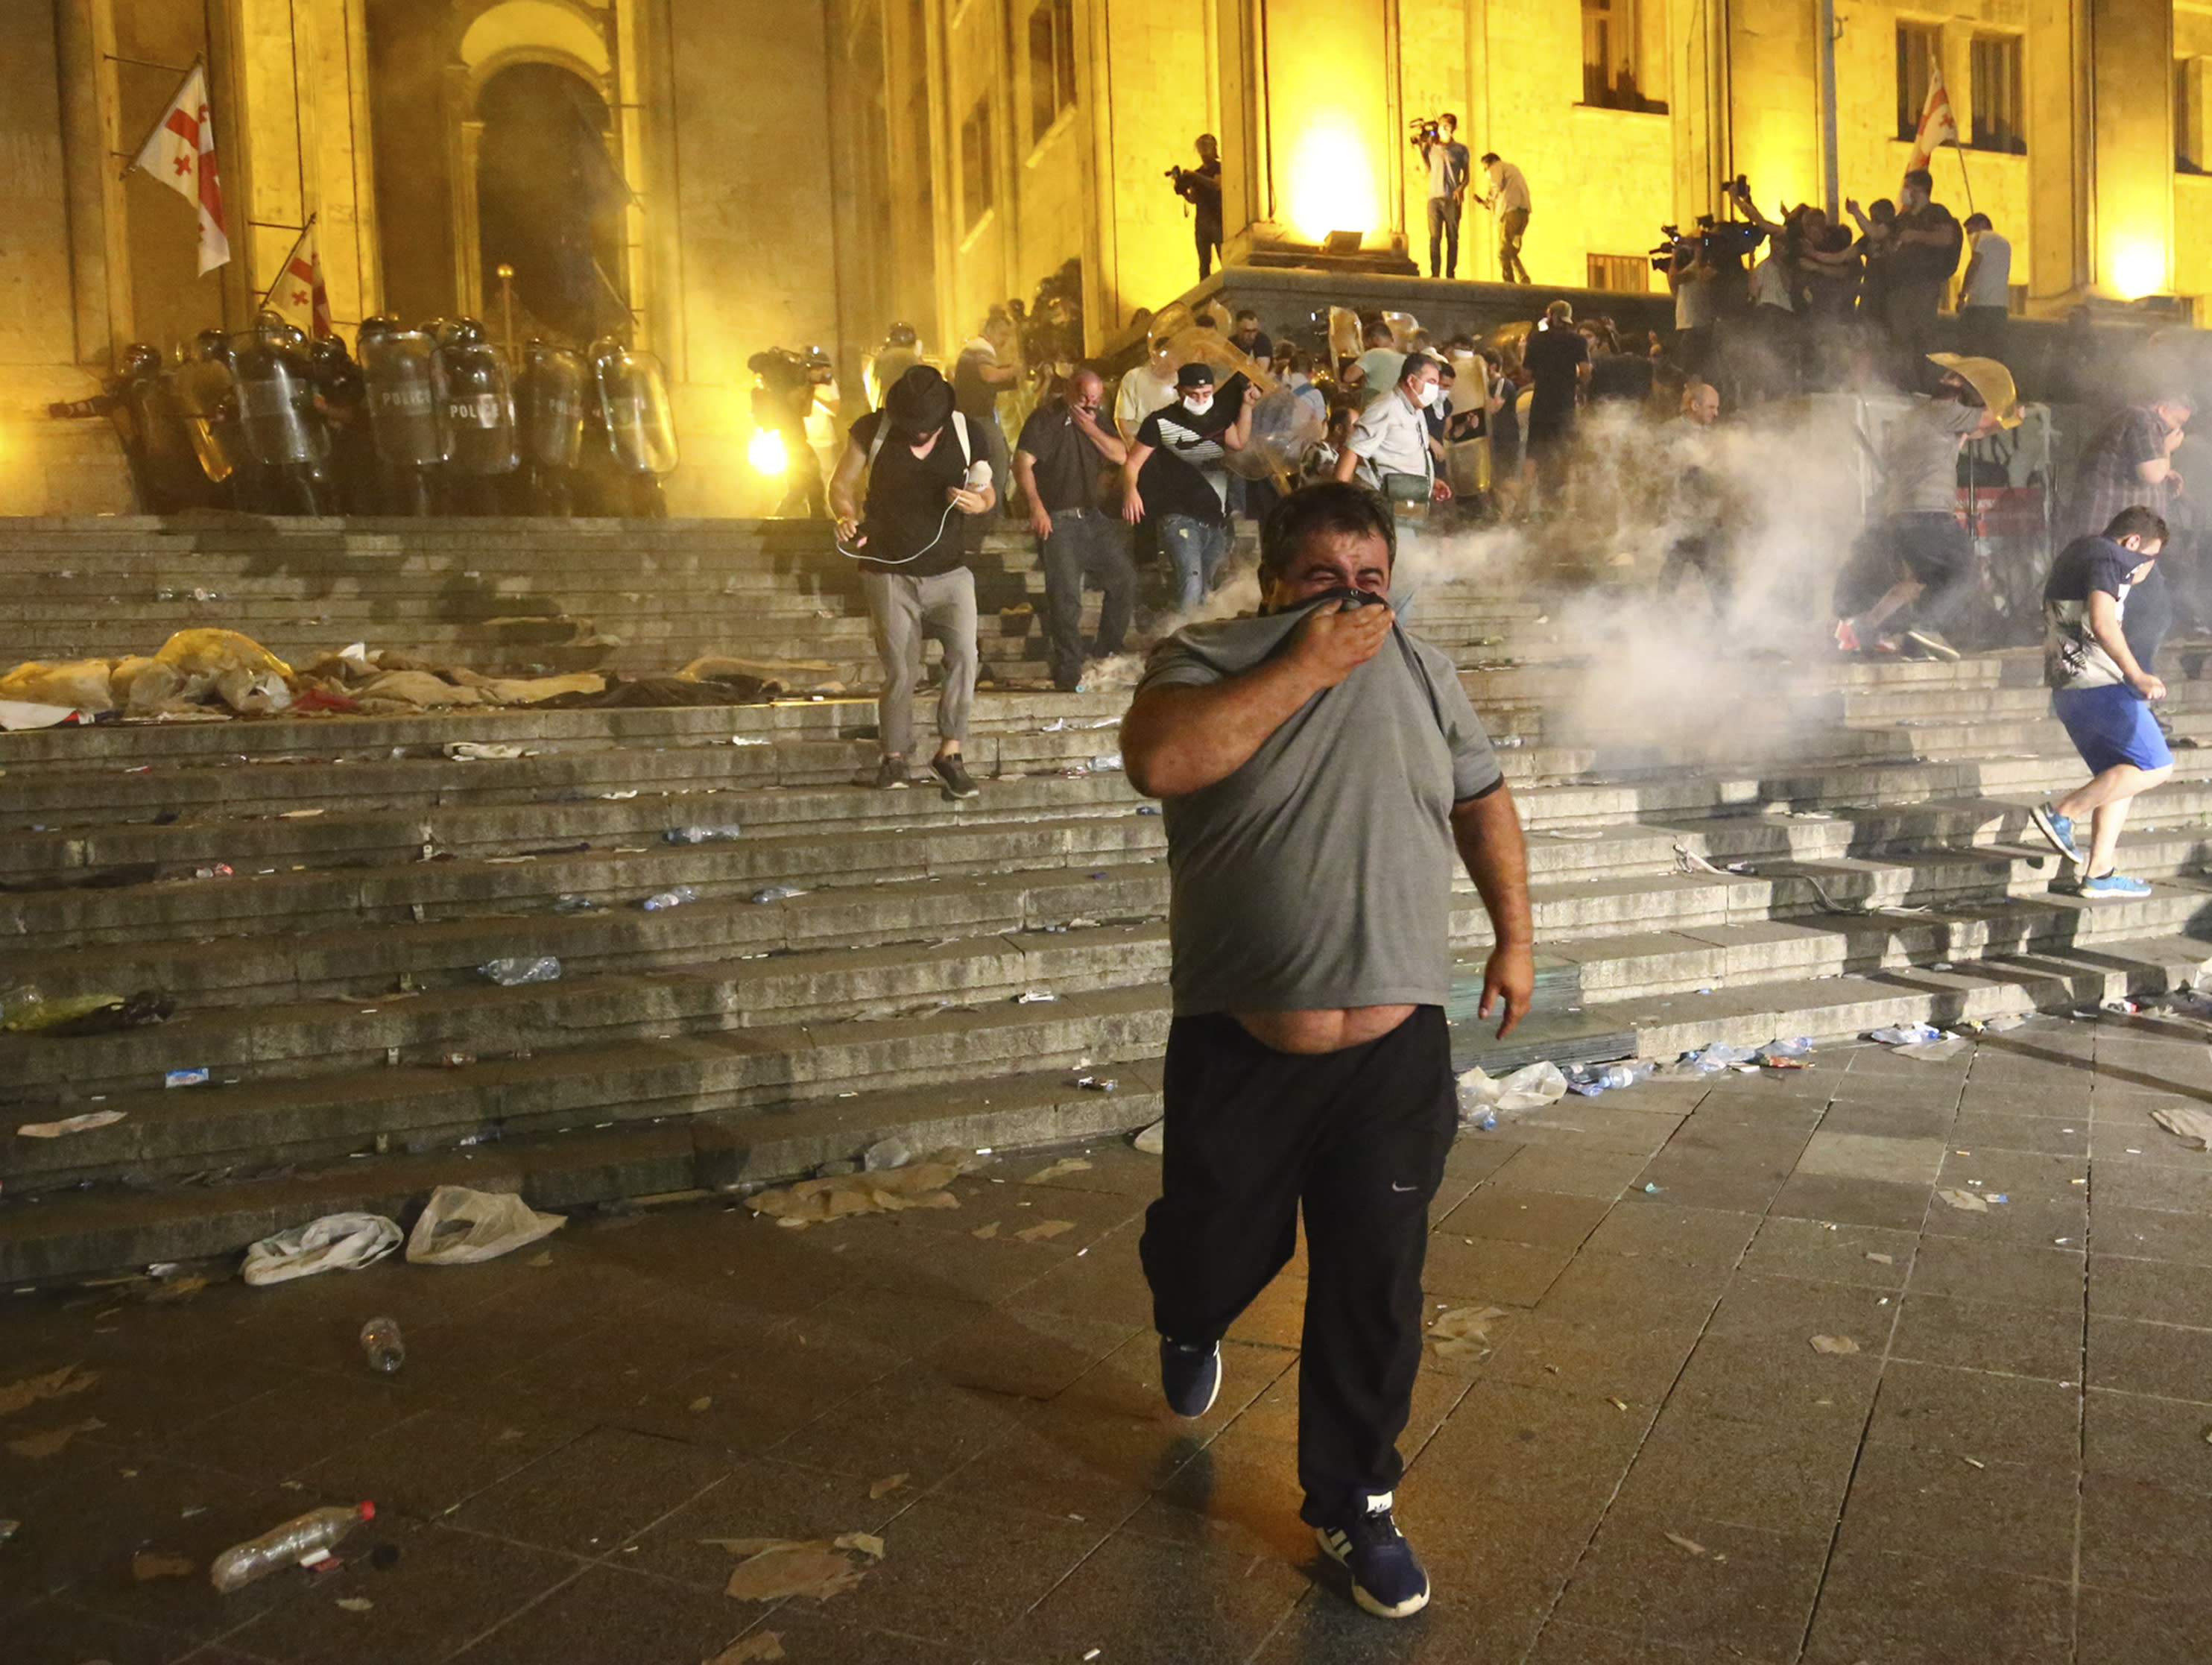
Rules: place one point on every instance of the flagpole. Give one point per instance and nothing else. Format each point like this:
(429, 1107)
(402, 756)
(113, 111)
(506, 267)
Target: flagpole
(1965, 178)
(283, 271)
(155, 126)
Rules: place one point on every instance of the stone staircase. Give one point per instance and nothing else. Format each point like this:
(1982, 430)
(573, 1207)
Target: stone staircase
(949, 971)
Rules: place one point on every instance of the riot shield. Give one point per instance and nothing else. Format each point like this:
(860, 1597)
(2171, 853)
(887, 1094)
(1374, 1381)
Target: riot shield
(479, 409)
(549, 406)
(633, 401)
(276, 404)
(406, 398)
(207, 404)
(1285, 427)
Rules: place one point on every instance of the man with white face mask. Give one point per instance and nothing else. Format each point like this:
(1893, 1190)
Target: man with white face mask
(1390, 449)
(1175, 473)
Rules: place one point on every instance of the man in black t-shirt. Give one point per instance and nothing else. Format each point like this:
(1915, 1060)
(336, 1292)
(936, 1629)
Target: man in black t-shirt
(1558, 359)
(1174, 474)
(1058, 461)
(1924, 249)
(2102, 695)
(925, 468)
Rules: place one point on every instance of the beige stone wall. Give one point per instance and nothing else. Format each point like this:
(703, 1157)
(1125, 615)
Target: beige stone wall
(46, 467)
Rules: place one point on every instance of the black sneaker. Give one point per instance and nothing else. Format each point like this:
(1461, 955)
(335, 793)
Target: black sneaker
(892, 772)
(1189, 1376)
(1387, 1579)
(950, 770)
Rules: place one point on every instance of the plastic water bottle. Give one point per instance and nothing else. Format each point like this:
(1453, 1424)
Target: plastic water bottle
(661, 902)
(506, 973)
(703, 834)
(286, 1545)
(382, 1346)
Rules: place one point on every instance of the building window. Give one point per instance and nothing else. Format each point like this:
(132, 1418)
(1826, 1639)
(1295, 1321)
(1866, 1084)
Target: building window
(977, 175)
(1624, 274)
(1612, 56)
(2188, 115)
(1052, 65)
(1918, 47)
(1999, 94)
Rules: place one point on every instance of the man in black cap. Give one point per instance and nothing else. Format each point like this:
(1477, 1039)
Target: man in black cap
(1174, 471)
(925, 468)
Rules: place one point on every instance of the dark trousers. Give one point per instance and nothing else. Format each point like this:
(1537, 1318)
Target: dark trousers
(1981, 332)
(1910, 306)
(1208, 233)
(1935, 550)
(1356, 1138)
(1444, 237)
(1706, 553)
(1086, 545)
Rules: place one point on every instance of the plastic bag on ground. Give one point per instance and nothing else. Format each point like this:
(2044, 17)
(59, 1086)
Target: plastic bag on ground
(2193, 1127)
(460, 1227)
(1936, 1051)
(215, 651)
(335, 1242)
(1906, 1034)
(1528, 1089)
(253, 693)
(1712, 1060)
(80, 684)
(33, 714)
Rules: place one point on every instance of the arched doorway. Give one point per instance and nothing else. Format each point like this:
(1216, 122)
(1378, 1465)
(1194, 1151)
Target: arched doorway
(549, 202)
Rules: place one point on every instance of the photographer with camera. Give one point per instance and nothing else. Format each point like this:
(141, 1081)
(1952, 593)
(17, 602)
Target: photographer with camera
(1438, 143)
(1200, 187)
(1508, 200)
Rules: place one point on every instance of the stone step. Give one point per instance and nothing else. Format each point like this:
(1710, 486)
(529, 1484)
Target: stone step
(602, 1083)
(95, 1229)
(1832, 1008)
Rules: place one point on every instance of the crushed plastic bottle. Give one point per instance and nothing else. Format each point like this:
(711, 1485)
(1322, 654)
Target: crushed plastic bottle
(1712, 1060)
(569, 903)
(661, 900)
(382, 1344)
(721, 834)
(1906, 1034)
(775, 893)
(508, 972)
(307, 1537)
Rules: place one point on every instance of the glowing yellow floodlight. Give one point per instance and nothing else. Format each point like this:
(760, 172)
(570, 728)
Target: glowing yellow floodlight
(1332, 179)
(766, 451)
(2138, 269)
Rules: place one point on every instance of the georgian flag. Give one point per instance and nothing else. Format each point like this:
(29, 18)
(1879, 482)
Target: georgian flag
(180, 153)
(1937, 124)
(298, 293)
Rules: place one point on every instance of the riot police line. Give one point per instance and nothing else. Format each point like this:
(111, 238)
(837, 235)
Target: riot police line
(424, 421)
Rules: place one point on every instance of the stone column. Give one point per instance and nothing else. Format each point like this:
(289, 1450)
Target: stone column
(2130, 60)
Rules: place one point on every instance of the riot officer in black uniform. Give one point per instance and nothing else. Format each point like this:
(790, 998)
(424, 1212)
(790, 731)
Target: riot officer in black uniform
(283, 434)
(125, 399)
(548, 420)
(406, 411)
(342, 398)
(640, 431)
(479, 420)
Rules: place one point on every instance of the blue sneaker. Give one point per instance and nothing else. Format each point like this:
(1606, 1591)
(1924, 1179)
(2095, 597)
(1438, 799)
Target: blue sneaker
(2058, 829)
(1387, 1579)
(1189, 1376)
(2113, 885)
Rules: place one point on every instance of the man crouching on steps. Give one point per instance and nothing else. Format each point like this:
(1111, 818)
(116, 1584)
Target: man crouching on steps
(1318, 765)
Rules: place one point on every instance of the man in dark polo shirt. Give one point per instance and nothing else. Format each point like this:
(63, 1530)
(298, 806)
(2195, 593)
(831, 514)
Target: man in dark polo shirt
(1319, 768)
(1058, 461)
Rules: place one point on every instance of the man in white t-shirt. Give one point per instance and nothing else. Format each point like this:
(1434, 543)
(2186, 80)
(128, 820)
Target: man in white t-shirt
(1148, 387)
(1985, 291)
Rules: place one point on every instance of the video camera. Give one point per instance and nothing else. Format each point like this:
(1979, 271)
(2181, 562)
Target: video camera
(1720, 242)
(1425, 130)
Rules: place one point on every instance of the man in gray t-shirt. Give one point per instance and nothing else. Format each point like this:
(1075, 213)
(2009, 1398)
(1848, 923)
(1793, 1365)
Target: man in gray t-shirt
(1320, 768)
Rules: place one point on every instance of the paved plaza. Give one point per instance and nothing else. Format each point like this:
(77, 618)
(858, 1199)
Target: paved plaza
(1642, 1457)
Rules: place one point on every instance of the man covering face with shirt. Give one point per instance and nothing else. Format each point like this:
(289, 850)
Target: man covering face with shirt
(1320, 769)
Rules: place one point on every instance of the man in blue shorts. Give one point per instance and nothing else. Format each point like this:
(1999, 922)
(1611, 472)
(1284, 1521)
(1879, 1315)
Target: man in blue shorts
(2100, 693)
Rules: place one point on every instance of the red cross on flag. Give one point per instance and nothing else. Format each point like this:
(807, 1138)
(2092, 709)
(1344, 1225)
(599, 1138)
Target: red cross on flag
(1937, 124)
(180, 153)
(298, 293)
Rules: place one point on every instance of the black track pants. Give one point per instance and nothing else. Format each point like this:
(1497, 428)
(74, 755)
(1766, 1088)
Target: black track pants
(1359, 1138)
